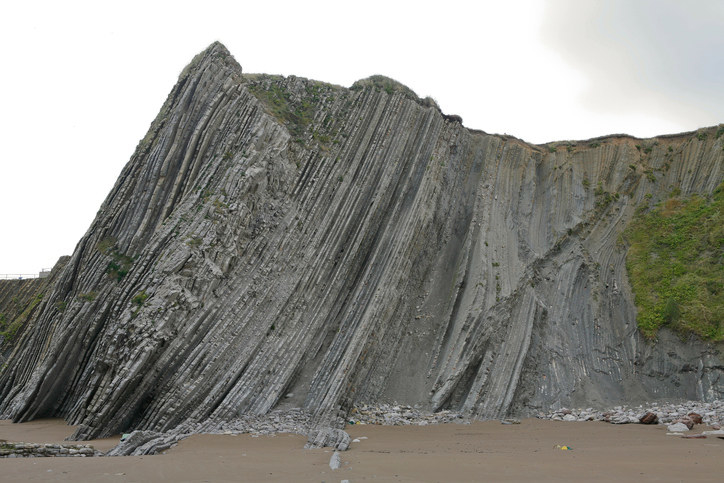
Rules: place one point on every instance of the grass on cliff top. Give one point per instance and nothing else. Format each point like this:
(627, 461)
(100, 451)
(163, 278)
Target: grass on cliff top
(676, 266)
(296, 114)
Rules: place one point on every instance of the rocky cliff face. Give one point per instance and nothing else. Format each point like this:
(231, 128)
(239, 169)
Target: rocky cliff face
(278, 242)
(20, 301)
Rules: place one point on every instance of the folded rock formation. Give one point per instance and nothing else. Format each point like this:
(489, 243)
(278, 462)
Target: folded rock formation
(279, 242)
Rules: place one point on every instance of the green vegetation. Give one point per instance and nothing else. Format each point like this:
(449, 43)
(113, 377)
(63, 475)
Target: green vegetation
(104, 246)
(89, 296)
(120, 264)
(9, 330)
(603, 197)
(297, 115)
(676, 266)
(140, 298)
(390, 86)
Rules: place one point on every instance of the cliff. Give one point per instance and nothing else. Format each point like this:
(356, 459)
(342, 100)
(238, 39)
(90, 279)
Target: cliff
(280, 242)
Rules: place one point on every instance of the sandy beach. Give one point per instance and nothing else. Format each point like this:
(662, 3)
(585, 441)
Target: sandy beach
(482, 451)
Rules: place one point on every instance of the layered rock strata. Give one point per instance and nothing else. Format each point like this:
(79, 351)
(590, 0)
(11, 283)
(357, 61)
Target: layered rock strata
(279, 242)
(20, 301)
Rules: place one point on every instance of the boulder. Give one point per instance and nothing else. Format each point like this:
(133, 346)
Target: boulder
(677, 428)
(649, 418)
(685, 420)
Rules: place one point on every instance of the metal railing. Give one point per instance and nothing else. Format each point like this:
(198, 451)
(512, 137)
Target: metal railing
(44, 272)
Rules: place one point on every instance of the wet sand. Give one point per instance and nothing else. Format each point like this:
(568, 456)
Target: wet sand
(482, 451)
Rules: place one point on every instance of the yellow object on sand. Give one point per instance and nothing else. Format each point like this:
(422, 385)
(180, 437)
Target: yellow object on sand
(564, 448)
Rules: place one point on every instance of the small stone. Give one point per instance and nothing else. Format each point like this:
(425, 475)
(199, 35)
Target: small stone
(335, 462)
(569, 417)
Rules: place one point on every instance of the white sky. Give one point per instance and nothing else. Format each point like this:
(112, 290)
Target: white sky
(82, 81)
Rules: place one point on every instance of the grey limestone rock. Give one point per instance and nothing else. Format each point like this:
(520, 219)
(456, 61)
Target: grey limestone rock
(278, 243)
(132, 442)
(328, 437)
(677, 427)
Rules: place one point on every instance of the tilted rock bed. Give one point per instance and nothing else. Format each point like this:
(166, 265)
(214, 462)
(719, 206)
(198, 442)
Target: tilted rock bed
(32, 450)
(279, 236)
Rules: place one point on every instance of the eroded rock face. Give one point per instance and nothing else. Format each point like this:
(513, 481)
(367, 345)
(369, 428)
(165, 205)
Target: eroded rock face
(278, 242)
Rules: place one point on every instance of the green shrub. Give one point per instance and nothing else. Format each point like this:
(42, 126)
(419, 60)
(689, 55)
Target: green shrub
(140, 298)
(675, 263)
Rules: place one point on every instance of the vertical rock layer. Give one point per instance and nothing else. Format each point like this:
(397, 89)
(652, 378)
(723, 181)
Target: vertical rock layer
(283, 242)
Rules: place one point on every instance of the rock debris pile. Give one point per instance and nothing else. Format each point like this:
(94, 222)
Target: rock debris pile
(394, 415)
(677, 416)
(287, 421)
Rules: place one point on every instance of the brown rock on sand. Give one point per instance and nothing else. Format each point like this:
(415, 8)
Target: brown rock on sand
(696, 417)
(649, 418)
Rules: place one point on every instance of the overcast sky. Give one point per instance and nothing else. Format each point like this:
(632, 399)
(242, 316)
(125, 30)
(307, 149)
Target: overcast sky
(82, 81)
